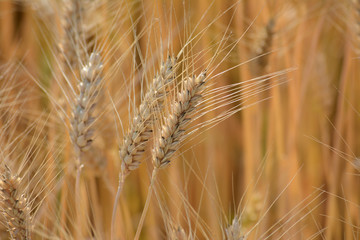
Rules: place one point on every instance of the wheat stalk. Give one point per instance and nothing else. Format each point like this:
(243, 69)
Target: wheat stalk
(14, 206)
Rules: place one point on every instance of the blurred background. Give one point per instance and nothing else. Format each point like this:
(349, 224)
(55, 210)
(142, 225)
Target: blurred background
(286, 166)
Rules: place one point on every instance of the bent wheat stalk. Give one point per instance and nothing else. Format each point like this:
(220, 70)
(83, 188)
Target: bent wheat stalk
(173, 130)
(139, 132)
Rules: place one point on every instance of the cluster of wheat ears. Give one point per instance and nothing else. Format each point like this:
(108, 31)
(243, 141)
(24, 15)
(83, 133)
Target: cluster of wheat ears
(136, 119)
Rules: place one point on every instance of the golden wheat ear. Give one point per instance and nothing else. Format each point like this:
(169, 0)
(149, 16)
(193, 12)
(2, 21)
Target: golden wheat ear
(173, 128)
(14, 206)
(173, 131)
(140, 129)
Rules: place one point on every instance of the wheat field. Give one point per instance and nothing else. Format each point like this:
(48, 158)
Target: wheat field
(180, 120)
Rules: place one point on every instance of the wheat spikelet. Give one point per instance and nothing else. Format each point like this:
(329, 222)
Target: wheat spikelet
(140, 129)
(14, 206)
(173, 128)
(82, 119)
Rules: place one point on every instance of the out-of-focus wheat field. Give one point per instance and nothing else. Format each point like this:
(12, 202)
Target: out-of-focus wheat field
(271, 150)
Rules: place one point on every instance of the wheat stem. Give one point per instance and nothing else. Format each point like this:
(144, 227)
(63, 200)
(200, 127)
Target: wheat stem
(147, 204)
(117, 197)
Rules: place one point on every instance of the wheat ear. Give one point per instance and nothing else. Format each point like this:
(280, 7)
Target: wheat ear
(262, 46)
(173, 130)
(70, 44)
(14, 206)
(174, 125)
(140, 128)
(82, 118)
